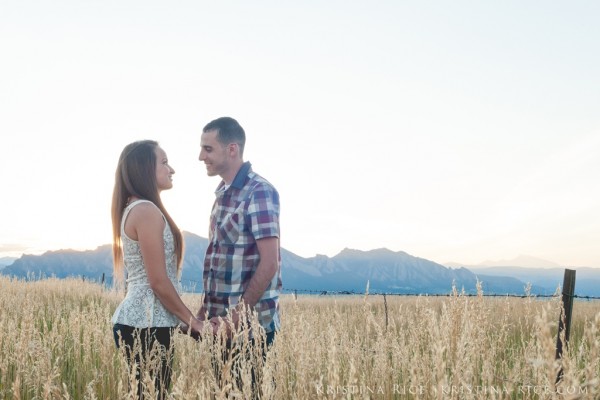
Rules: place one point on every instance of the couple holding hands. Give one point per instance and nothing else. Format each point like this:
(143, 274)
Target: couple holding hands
(241, 276)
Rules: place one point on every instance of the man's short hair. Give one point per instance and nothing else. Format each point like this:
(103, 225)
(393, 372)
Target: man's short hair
(228, 131)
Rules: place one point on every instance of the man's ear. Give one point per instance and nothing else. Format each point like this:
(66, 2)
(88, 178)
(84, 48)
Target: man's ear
(233, 149)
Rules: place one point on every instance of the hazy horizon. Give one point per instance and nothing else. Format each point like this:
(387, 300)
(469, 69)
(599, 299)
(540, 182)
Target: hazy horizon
(522, 260)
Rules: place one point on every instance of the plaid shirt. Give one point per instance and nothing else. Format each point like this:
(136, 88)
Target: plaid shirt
(244, 212)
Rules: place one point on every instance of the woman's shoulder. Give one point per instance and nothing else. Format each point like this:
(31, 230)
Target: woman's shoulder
(144, 209)
(143, 216)
(141, 204)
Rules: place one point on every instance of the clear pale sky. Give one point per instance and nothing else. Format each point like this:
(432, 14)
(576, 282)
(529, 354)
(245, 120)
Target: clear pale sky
(453, 130)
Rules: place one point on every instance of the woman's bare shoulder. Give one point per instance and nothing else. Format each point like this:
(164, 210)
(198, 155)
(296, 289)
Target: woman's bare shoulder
(145, 211)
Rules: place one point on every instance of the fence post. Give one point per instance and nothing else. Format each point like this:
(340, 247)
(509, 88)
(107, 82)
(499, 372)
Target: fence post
(568, 290)
(386, 311)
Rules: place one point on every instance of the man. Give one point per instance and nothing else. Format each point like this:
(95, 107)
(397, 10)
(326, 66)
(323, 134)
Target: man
(242, 261)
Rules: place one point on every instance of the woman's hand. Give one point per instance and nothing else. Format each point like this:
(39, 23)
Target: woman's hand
(197, 326)
(183, 328)
(195, 330)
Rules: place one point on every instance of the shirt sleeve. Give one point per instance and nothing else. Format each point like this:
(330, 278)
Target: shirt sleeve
(263, 212)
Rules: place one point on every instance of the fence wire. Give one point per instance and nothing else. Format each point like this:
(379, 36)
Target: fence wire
(106, 281)
(376, 293)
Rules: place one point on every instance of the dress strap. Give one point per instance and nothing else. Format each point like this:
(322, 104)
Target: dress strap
(128, 208)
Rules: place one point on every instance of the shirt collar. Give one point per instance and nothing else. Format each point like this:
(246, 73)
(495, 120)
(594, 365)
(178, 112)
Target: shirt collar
(239, 180)
(240, 177)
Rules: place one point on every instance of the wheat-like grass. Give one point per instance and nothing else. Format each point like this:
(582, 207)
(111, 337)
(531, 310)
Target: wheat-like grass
(56, 343)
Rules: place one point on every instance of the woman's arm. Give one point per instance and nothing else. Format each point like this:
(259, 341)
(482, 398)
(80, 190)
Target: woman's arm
(145, 224)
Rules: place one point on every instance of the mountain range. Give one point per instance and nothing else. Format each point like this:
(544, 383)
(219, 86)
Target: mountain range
(349, 271)
(4, 261)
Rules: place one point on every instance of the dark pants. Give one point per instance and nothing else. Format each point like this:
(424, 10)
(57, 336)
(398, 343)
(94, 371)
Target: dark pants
(142, 345)
(253, 351)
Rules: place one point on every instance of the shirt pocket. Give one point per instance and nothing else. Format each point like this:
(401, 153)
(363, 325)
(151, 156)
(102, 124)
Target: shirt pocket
(229, 229)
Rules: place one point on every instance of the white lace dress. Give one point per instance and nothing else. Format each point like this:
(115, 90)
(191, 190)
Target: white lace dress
(141, 308)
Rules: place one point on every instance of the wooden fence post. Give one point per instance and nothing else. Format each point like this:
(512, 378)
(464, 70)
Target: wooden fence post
(564, 320)
(386, 311)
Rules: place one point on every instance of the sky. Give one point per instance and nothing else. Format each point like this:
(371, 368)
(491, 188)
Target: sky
(458, 131)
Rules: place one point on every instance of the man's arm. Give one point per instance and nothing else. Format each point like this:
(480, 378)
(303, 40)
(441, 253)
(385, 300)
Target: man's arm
(268, 249)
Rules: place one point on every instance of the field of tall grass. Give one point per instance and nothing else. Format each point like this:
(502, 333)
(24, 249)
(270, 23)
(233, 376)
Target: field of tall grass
(56, 343)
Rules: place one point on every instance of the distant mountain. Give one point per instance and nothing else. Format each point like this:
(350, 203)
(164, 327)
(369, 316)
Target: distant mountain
(587, 280)
(386, 271)
(93, 264)
(62, 264)
(543, 274)
(350, 270)
(4, 261)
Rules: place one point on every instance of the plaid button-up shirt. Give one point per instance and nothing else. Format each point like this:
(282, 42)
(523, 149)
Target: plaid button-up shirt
(244, 212)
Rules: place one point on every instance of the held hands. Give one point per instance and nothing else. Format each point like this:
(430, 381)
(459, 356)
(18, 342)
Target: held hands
(228, 325)
(222, 324)
(197, 327)
(194, 329)
(236, 318)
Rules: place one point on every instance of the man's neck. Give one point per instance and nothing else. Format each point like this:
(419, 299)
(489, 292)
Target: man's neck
(231, 174)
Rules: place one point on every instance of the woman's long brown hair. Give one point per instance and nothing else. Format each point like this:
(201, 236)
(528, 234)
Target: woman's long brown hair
(136, 176)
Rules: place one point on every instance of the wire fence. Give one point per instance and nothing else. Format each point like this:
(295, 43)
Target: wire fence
(192, 286)
(375, 293)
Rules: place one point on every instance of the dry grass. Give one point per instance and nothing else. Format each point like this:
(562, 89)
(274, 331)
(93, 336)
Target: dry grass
(56, 342)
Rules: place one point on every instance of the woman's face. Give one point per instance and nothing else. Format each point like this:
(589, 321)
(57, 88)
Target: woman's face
(164, 172)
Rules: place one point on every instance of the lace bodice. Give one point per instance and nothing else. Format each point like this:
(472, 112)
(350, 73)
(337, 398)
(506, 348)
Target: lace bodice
(141, 308)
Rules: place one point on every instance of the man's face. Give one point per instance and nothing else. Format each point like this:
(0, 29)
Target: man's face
(213, 154)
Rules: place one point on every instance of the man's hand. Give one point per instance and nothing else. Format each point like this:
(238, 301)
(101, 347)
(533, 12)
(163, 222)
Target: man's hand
(194, 331)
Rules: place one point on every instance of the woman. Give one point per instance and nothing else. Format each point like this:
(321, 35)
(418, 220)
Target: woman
(148, 243)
